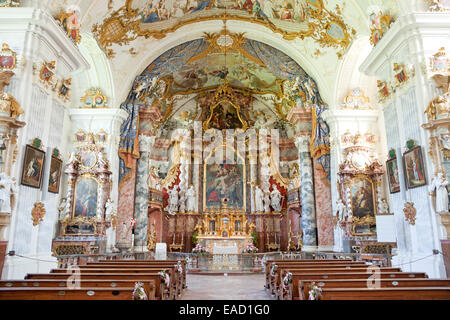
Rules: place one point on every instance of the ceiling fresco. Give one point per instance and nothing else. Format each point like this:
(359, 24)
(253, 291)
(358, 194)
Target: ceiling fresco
(290, 18)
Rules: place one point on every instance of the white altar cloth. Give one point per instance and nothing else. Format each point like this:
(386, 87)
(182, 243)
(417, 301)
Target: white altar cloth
(228, 249)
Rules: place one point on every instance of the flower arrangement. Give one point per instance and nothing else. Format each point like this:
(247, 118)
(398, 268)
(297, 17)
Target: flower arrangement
(273, 270)
(315, 293)
(178, 267)
(287, 279)
(251, 249)
(165, 278)
(139, 292)
(199, 250)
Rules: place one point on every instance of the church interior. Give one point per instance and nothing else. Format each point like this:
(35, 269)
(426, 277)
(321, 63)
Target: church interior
(291, 145)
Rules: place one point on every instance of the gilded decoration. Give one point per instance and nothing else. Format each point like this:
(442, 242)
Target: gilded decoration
(356, 100)
(438, 5)
(79, 226)
(8, 58)
(8, 104)
(64, 89)
(70, 22)
(310, 20)
(9, 3)
(439, 107)
(383, 90)
(440, 63)
(37, 213)
(379, 25)
(410, 213)
(94, 98)
(402, 74)
(47, 72)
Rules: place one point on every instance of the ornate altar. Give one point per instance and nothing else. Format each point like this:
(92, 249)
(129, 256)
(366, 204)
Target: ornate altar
(226, 227)
(83, 222)
(359, 185)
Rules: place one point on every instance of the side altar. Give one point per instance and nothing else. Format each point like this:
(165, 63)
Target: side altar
(225, 231)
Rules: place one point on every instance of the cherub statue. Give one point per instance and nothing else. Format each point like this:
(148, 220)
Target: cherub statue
(8, 103)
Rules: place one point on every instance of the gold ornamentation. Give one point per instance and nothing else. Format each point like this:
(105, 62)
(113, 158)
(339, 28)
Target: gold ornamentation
(8, 58)
(324, 26)
(383, 90)
(356, 100)
(38, 212)
(47, 72)
(151, 238)
(439, 107)
(69, 249)
(380, 24)
(94, 98)
(8, 104)
(440, 62)
(410, 213)
(78, 221)
(9, 3)
(64, 88)
(70, 21)
(402, 75)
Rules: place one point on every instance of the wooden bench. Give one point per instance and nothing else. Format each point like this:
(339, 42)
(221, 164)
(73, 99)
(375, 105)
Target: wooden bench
(346, 275)
(162, 292)
(55, 293)
(304, 286)
(174, 278)
(148, 285)
(410, 293)
(281, 263)
(281, 271)
(141, 263)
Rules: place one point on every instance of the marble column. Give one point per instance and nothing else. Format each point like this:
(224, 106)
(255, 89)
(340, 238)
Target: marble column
(324, 214)
(141, 193)
(308, 219)
(125, 209)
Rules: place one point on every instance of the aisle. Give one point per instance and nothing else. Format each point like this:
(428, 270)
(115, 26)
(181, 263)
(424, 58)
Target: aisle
(220, 287)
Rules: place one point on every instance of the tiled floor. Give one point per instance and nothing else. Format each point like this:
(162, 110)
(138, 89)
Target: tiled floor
(220, 287)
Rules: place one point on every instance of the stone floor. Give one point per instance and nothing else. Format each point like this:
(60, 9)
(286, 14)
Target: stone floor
(220, 287)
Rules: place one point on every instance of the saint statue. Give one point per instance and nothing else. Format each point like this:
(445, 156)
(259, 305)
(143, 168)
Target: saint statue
(341, 210)
(259, 206)
(182, 202)
(8, 191)
(384, 206)
(8, 104)
(109, 209)
(439, 184)
(172, 206)
(191, 198)
(275, 198)
(267, 201)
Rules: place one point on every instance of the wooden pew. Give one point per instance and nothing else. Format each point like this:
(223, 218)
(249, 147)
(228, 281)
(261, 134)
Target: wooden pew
(281, 271)
(346, 275)
(304, 286)
(174, 278)
(141, 263)
(148, 285)
(162, 292)
(55, 293)
(280, 263)
(410, 293)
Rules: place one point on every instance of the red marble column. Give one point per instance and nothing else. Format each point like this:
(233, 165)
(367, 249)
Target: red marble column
(324, 214)
(125, 208)
(3, 246)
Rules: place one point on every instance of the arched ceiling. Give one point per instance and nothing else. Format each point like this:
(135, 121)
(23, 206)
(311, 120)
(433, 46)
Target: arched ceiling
(315, 33)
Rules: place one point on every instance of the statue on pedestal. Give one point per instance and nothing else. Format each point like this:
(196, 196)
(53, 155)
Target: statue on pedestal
(384, 206)
(267, 201)
(259, 205)
(172, 206)
(8, 190)
(341, 210)
(191, 199)
(439, 184)
(275, 198)
(182, 202)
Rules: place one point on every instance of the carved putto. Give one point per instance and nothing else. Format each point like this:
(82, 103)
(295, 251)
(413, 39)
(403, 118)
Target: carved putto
(439, 107)
(8, 104)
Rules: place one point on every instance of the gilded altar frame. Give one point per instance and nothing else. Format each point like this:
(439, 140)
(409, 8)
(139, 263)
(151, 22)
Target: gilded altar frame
(235, 106)
(244, 181)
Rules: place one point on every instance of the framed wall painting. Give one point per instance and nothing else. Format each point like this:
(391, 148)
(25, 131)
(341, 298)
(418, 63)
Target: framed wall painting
(392, 175)
(414, 169)
(32, 168)
(85, 200)
(54, 177)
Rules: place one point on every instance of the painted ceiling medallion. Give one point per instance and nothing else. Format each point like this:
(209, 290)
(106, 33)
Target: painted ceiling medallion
(94, 98)
(289, 18)
(224, 40)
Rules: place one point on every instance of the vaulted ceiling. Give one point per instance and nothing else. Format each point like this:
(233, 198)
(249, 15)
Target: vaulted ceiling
(315, 33)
